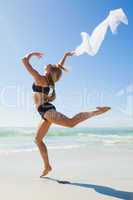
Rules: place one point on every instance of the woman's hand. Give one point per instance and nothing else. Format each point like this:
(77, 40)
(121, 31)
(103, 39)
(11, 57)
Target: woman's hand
(37, 54)
(67, 54)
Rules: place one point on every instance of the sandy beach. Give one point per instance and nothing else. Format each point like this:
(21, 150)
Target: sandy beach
(80, 173)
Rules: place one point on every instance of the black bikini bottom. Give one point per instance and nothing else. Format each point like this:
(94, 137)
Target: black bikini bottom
(44, 108)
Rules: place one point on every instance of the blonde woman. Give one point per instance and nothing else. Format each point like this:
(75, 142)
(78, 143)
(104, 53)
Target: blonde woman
(42, 86)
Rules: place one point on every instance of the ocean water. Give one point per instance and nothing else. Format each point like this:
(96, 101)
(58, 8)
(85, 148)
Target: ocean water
(22, 139)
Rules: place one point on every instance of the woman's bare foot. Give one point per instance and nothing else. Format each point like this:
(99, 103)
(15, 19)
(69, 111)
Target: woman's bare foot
(101, 110)
(46, 171)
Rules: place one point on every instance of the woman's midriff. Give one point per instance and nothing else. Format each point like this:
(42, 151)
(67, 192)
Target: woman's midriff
(39, 98)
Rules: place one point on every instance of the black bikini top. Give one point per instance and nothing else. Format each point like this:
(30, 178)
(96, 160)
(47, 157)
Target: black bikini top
(37, 88)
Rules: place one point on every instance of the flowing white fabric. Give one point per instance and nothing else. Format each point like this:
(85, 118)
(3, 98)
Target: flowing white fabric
(91, 44)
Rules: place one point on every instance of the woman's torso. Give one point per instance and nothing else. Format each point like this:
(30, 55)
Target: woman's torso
(40, 93)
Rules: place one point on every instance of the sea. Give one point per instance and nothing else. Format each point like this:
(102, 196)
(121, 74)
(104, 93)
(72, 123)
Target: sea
(21, 139)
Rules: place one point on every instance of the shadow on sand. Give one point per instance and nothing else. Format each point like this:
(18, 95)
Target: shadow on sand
(104, 190)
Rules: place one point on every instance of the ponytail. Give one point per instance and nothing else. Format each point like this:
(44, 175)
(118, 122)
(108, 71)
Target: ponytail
(52, 84)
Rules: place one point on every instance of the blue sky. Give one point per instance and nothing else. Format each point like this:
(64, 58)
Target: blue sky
(53, 27)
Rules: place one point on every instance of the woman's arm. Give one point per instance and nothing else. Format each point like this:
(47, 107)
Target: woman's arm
(30, 69)
(62, 61)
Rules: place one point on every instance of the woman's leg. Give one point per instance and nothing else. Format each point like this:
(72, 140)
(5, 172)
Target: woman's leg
(41, 132)
(58, 118)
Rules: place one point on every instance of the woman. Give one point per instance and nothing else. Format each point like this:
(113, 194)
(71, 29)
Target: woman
(41, 89)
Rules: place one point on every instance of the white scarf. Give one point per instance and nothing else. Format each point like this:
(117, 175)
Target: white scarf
(91, 44)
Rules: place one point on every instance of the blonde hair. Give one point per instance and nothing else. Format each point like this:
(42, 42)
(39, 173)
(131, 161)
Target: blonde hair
(51, 82)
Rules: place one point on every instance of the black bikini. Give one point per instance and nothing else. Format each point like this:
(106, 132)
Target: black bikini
(37, 88)
(46, 105)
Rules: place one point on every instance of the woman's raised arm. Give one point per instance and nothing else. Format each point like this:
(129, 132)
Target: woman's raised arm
(62, 61)
(30, 69)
